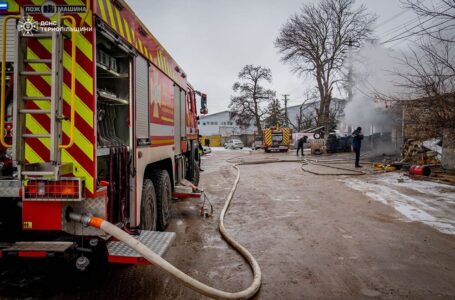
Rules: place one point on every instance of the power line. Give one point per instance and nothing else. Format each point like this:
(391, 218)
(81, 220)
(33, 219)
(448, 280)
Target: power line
(396, 38)
(408, 23)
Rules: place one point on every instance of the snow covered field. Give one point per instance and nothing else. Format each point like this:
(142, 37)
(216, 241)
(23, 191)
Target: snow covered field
(422, 201)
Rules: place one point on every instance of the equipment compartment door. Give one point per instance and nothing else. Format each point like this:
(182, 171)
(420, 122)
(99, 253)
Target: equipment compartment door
(142, 100)
(177, 115)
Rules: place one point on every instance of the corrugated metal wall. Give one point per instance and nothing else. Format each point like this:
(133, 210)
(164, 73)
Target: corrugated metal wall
(10, 39)
(142, 98)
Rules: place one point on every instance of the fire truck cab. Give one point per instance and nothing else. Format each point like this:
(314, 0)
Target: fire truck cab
(96, 118)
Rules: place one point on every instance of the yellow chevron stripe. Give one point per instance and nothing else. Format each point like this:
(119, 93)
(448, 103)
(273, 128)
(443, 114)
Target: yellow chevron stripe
(140, 46)
(111, 14)
(79, 171)
(83, 44)
(81, 109)
(119, 22)
(133, 35)
(31, 155)
(127, 30)
(79, 139)
(103, 10)
(88, 20)
(36, 128)
(85, 79)
(146, 52)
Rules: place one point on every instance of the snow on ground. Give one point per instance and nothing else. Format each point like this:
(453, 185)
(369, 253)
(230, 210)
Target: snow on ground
(422, 201)
(222, 149)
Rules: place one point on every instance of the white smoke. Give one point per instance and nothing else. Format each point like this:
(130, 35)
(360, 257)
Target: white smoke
(373, 67)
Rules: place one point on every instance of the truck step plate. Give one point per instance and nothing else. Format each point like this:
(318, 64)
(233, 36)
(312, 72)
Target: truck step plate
(158, 242)
(37, 249)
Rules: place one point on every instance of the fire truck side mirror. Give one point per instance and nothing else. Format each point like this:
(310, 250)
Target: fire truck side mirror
(204, 109)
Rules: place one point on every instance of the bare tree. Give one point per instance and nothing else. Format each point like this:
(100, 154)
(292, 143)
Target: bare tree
(249, 104)
(441, 12)
(306, 116)
(275, 114)
(427, 71)
(316, 40)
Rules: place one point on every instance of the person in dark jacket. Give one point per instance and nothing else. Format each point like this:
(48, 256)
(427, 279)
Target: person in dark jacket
(357, 137)
(300, 143)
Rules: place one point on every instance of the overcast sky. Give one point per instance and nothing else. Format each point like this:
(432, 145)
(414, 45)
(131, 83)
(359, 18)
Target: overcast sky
(213, 40)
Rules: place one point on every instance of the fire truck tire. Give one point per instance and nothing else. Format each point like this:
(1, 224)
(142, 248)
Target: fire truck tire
(195, 176)
(148, 206)
(163, 187)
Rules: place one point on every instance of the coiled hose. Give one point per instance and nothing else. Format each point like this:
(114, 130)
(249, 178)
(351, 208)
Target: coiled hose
(160, 262)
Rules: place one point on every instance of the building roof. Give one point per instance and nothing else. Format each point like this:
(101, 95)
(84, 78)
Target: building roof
(218, 113)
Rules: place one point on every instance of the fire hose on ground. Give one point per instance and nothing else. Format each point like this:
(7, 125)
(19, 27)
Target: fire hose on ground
(188, 281)
(160, 262)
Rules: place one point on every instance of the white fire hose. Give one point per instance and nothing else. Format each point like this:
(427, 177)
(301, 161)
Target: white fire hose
(160, 262)
(185, 279)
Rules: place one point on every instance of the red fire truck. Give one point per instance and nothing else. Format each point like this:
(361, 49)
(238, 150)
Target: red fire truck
(98, 119)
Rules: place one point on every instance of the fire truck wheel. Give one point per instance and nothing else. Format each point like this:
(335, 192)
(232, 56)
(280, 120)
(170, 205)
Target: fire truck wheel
(195, 175)
(162, 182)
(148, 206)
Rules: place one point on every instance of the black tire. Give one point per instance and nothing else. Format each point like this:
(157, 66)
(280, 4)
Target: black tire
(195, 175)
(162, 182)
(317, 135)
(148, 206)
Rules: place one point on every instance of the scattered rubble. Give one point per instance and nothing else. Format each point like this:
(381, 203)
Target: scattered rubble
(422, 152)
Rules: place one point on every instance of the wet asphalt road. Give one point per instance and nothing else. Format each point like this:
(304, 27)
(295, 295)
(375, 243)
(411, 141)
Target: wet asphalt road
(313, 237)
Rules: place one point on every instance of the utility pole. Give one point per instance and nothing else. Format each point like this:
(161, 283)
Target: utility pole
(350, 81)
(286, 109)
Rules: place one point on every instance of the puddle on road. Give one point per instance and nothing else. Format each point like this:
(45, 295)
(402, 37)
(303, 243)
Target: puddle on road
(427, 202)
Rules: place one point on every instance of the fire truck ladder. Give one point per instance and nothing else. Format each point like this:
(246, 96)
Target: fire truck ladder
(25, 68)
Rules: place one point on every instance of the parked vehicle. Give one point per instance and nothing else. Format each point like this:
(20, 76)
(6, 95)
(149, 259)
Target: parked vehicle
(258, 143)
(234, 144)
(206, 149)
(106, 127)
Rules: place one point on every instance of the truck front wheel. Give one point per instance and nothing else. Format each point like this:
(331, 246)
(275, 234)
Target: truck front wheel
(148, 206)
(162, 182)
